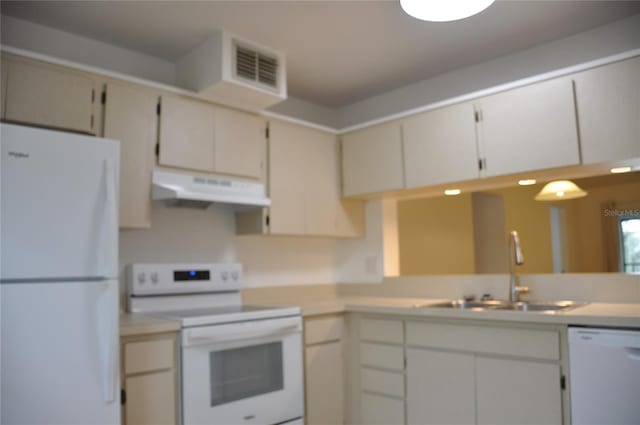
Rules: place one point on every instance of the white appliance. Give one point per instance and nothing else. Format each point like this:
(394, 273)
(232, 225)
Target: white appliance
(58, 278)
(203, 190)
(241, 364)
(604, 367)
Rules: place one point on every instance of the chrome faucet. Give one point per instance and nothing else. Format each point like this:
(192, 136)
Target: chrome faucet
(515, 258)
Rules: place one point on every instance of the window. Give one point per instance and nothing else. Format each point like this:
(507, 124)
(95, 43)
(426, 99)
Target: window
(630, 244)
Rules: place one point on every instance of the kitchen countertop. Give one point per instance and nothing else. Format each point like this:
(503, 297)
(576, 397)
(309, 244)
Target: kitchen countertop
(593, 314)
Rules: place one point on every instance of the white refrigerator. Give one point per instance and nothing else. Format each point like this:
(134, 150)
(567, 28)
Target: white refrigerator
(58, 278)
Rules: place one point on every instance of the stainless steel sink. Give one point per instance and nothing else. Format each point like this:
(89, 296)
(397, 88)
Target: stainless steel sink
(547, 306)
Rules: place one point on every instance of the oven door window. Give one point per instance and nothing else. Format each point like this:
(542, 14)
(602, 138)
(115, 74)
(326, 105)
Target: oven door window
(245, 372)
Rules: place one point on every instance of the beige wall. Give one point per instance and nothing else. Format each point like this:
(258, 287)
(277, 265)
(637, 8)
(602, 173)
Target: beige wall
(436, 235)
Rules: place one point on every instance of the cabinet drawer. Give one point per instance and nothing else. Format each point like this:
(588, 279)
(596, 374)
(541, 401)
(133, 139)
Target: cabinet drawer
(382, 410)
(382, 382)
(384, 356)
(542, 344)
(145, 356)
(381, 331)
(323, 329)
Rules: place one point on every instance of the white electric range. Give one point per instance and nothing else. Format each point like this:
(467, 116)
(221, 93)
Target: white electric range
(240, 364)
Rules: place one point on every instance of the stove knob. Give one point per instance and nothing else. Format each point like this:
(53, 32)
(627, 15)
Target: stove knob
(234, 275)
(225, 276)
(154, 278)
(142, 278)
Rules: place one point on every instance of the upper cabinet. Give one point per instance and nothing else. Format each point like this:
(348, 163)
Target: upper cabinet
(201, 137)
(528, 128)
(48, 96)
(608, 103)
(372, 160)
(440, 146)
(304, 187)
(130, 117)
(186, 134)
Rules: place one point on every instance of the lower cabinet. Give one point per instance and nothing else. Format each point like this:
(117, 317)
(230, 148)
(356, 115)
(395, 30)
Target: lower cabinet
(459, 374)
(324, 370)
(149, 379)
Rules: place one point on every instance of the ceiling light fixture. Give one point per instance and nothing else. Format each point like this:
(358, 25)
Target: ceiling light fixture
(443, 10)
(619, 170)
(452, 192)
(560, 190)
(526, 182)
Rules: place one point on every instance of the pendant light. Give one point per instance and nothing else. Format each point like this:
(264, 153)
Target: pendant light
(443, 10)
(560, 190)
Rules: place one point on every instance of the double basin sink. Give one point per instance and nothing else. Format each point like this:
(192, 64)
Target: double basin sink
(492, 305)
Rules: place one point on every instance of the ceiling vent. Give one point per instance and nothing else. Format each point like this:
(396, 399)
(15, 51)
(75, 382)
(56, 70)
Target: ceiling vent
(234, 72)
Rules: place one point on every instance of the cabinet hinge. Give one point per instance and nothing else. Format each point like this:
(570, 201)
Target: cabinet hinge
(478, 116)
(158, 149)
(158, 108)
(103, 99)
(563, 382)
(266, 132)
(123, 397)
(267, 221)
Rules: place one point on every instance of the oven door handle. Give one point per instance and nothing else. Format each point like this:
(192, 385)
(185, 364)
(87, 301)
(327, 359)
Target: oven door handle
(237, 332)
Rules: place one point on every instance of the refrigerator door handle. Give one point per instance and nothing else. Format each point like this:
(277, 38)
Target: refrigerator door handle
(109, 242)
(108, 343)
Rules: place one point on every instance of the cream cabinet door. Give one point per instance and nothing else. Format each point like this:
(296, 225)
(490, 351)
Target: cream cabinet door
(372, 160)
(287, 168)
(151, 399)
(517, 392)
(440, 146)
(130, 117)
(608, 106)
(440, 387)
(529, 128)
(324, 387)
(239, 140)
(48, 96)
(187, 134)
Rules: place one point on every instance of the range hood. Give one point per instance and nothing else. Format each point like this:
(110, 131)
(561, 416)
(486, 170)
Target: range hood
(200, 191)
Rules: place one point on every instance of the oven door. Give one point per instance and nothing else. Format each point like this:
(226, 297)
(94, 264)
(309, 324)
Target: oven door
(243, 373)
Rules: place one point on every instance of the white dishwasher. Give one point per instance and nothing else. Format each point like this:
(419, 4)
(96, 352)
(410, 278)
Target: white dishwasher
(604, 368)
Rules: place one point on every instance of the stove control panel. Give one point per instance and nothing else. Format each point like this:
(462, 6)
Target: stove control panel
(182, 278)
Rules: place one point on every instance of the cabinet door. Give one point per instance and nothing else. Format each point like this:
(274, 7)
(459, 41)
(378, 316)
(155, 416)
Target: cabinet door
(130, 117)
(440, 387)
(49, 97)
(440, 146)
(239, 140)
(287, 163)
(609, 111)
(151, 399)
(324, 387)
(186, 134)
(517, 392)
(529, 128)
(372, 160)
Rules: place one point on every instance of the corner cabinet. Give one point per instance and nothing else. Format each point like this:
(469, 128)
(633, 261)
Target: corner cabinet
(528, 128)
(304, 187)
(130, 117)
(150, 379)
(372, 160)
(48, 96)
(608, 104)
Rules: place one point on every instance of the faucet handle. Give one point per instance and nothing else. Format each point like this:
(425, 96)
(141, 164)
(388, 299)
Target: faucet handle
(468, 298)
(521, 289)
(487, 297)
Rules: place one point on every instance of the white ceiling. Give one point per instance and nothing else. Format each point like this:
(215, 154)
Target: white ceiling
(338, 51)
